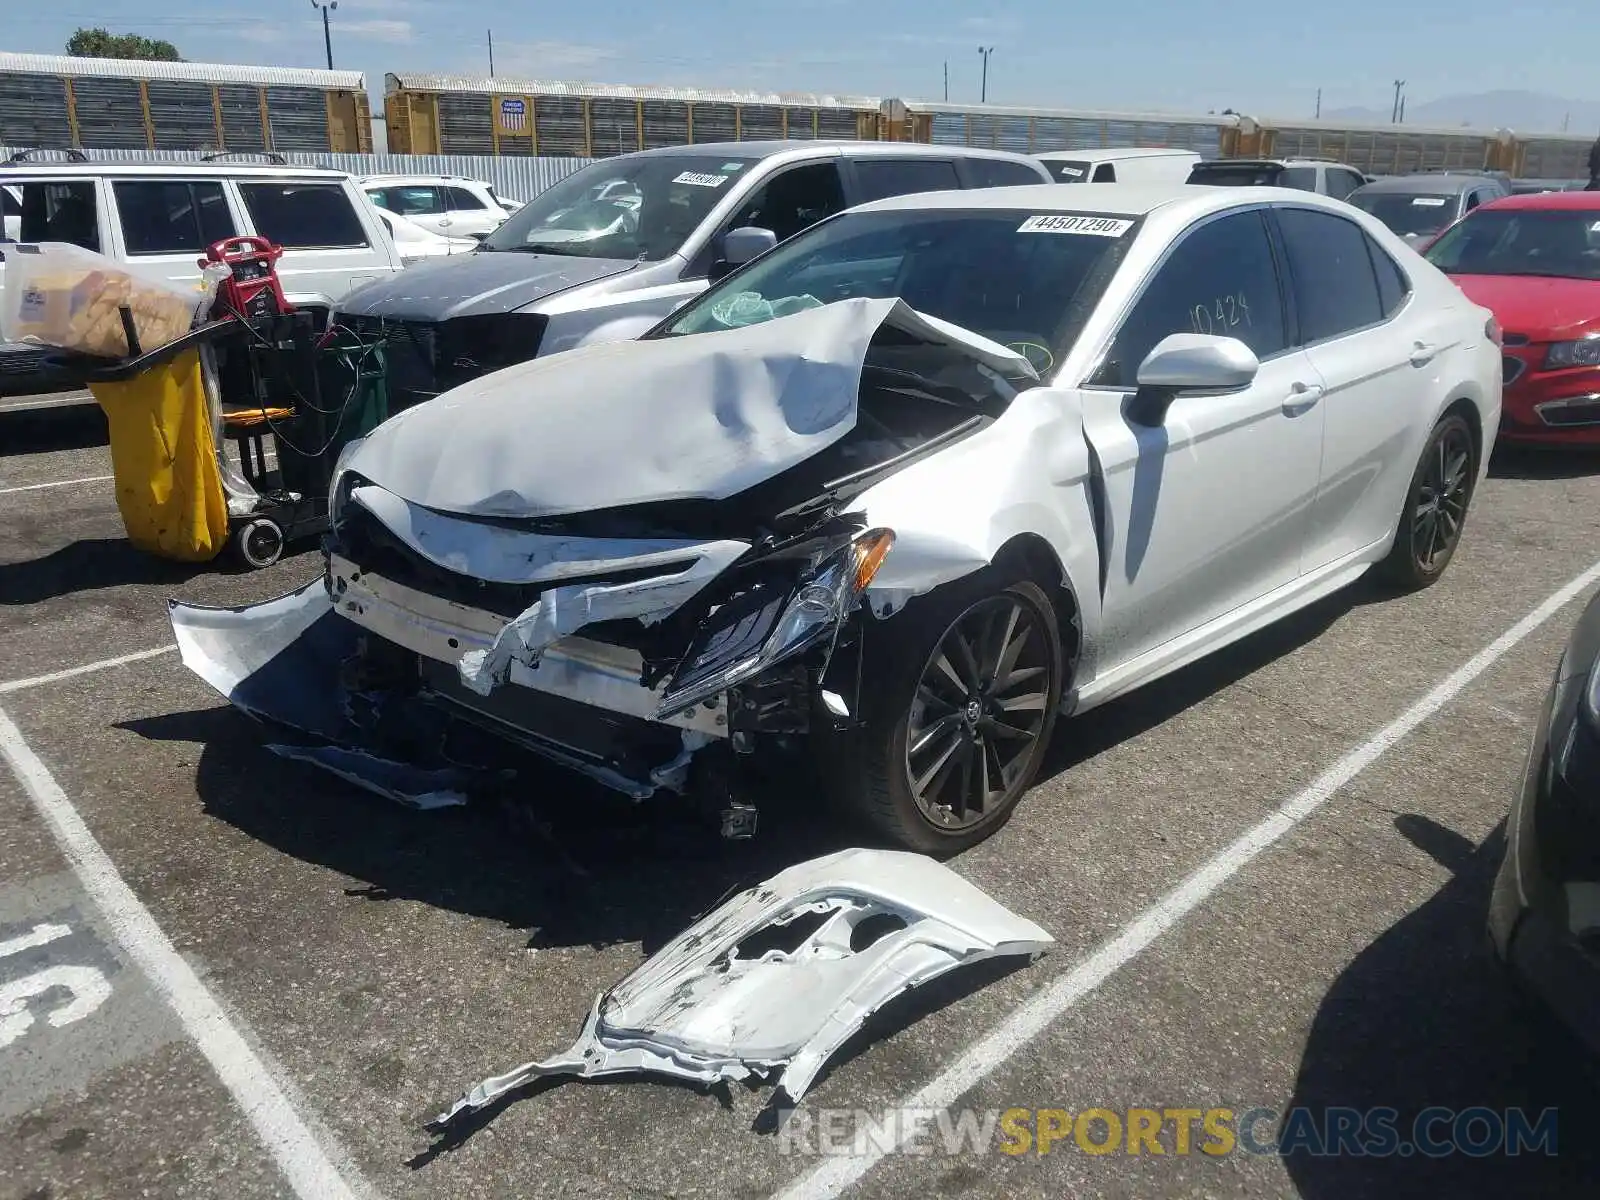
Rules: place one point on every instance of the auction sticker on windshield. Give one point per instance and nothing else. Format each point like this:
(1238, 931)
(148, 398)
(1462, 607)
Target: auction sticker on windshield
(1429, 201)
(699, 180)
(1059, 223)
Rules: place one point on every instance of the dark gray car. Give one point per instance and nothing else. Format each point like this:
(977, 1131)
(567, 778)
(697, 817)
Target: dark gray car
(1420, 207)
(610, 250)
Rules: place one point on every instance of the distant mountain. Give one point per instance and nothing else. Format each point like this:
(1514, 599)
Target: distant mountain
(1524, 112)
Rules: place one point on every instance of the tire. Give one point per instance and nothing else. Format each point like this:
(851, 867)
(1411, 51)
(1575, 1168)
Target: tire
(258, 543)
(1435, 509)
(910, 695)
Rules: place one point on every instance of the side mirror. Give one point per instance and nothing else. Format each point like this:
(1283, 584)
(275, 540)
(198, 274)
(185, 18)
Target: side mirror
(739, 246)
(1190, 362)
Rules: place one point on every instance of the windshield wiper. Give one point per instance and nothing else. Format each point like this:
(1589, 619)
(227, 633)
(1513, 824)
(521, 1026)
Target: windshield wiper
(539, 248)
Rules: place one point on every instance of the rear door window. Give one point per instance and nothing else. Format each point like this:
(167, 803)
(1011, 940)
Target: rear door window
(304, 216)
(1335, 287)
(461, 200)
(997, 172)
(878, 178)
(171, 216)
(1303, 178)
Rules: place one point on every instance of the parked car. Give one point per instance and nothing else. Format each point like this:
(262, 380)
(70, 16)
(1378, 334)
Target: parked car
(414, 243)
(162, 216)
(449, 205)
(1544, 917)
(892, 496)
(1126, 165)
(1534, 259)
(1417, 207)
(1323, 176)
(611, 249)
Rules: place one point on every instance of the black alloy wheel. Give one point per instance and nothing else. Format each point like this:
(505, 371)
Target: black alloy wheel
(1435, 507)
(979, 712)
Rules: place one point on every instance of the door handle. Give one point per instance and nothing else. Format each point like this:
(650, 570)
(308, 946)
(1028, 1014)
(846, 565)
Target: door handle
(1422, 354)
(1301, 397)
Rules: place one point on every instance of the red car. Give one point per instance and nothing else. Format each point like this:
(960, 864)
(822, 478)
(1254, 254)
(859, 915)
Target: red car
(1534, 261)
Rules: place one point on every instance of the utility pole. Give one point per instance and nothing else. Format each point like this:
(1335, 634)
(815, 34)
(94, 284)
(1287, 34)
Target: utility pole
(983, 95)
(947, 79)
(327, 38)
(491, 54)
(1394, 113)
(1319, 104)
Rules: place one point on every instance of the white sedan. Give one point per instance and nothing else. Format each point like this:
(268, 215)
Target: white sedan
(414, 243)
(891, 498)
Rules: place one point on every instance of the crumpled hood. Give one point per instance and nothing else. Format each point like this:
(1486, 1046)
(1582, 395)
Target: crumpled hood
(1544, 310)
(485, 283)
(704, 416)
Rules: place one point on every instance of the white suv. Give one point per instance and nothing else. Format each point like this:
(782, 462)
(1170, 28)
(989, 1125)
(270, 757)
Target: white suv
(449, 205)
(164, 215)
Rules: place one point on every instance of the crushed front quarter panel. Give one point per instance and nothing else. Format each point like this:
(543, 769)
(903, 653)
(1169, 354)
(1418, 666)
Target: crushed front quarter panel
(863, 926)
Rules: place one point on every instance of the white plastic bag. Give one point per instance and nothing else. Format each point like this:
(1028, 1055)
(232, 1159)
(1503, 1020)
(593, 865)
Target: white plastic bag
(61, 295)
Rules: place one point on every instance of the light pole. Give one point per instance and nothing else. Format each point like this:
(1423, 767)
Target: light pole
(983, 95)
(327, 38)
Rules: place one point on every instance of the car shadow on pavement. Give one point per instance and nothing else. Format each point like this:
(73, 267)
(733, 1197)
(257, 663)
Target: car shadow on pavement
(87, 565)
(1543, 463)
(61, 427)
(576, 866)
(1423, 1018)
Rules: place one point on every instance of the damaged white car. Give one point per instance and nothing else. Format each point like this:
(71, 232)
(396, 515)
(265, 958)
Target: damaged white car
(894, 496)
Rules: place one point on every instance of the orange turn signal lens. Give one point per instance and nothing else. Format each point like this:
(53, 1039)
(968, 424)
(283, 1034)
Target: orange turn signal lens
(871, 548)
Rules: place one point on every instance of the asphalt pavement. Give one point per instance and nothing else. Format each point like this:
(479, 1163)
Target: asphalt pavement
(223, 974)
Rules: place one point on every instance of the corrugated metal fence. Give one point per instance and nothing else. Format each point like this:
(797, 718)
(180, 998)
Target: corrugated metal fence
(516, 178)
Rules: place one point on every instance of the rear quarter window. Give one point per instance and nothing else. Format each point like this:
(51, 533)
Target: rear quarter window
(304, 216)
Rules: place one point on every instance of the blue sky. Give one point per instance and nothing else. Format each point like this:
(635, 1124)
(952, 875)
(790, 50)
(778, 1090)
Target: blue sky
(1261, 57)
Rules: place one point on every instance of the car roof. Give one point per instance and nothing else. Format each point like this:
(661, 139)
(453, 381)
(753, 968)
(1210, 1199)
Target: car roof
(1551, 201)
(1103, 199)
(847, 147)
(1108, 153)
(10, 172)
(419, 176)
(1427, 184)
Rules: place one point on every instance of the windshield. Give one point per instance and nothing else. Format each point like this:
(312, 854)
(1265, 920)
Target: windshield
(1563, 244)
(1236, 174)
(636, 207)
(1407, 212)
(1026, 281)
(1069, 172)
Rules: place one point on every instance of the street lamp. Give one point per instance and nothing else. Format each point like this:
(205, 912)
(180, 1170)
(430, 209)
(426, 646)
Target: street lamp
(983, 96)
(327, 38)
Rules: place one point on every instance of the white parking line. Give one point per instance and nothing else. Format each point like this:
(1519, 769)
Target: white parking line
(53, 402)
(1033, 1017)
(35, 487)
(33, 681)
(301, 1157)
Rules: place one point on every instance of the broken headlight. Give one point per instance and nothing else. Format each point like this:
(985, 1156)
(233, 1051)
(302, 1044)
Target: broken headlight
(756, 631)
